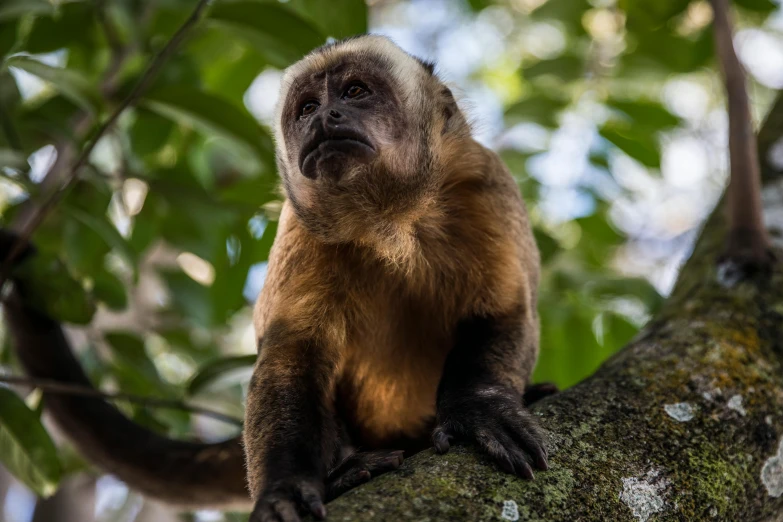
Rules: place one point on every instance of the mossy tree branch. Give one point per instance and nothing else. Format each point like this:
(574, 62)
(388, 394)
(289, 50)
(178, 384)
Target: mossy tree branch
(685, 423)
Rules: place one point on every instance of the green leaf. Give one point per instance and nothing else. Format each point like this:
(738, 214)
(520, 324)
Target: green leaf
(190, 298)
(212, 114)
(52, 290)
(567, 335)
(568, 12)
(217, 368)
(336, 18)
(547, 245)
(641, 146)
(107, 231)
(645, 113)
(668, 52)
(8, 34)
(598, 231)
(760, 6)
(74, 23)
(12, 158)
(644, 15)
(617, 331)
(26, 450)
(70, 83)
(250, 191)
(277, 32)
(109, 290)
(566, 68)
(149, 132)
(539, 108)
(610, 287)
(16, 8)
(130, 352)
(478, 5)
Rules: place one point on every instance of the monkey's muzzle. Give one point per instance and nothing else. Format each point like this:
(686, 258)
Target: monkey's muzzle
(330, 154)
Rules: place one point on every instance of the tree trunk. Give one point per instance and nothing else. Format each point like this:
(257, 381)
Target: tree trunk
(685, 423)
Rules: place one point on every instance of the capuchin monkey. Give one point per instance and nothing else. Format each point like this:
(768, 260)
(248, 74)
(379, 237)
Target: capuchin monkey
(398, 313)
(400, 301)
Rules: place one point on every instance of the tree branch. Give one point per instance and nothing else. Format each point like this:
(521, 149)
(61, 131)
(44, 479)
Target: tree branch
(51, 386)
(685, 423)
(57, 194)
(747, 237)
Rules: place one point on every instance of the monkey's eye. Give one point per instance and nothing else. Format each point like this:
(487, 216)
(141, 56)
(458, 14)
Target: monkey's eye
(354, 90)
(308, 108)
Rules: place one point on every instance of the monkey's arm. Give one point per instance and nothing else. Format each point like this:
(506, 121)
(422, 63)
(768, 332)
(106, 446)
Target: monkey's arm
(480, 394)
(291, 433)
(174, 471)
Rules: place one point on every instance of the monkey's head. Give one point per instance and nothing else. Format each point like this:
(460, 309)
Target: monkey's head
(361, 128)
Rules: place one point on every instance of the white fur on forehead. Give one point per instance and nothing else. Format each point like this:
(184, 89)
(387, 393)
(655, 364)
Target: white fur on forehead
(407, 70)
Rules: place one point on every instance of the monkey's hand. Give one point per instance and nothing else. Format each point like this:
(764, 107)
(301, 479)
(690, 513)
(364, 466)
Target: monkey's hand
(284, 500)
(492, 417)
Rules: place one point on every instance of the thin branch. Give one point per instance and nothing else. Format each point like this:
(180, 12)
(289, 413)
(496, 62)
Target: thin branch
(747, 235)
(57, 194)
(61, 388)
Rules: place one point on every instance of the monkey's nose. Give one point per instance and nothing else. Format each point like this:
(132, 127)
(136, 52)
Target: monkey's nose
(335, 114)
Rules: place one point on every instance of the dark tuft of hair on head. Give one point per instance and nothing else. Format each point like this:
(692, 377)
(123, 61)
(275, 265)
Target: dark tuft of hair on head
(428, 65)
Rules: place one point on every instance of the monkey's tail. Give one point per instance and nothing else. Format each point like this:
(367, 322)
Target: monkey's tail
(183, 473)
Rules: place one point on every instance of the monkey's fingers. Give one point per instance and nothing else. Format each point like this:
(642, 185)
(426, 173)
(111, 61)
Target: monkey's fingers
(504, 451)
(441, 439)
(525, 433)
(311, 498)
(275, 511)
(286, 501)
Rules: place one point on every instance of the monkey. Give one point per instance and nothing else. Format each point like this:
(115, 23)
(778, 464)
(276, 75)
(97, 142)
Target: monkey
(398, 312)
(399, 308)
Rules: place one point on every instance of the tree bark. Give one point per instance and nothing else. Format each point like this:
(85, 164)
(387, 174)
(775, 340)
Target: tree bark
(684, 423)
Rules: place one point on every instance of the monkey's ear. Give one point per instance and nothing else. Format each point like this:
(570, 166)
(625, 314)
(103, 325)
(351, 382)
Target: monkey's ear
(451, 113)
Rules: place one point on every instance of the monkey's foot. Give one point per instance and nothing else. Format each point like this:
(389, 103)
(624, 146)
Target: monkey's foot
(358, 468)
(536, 392)
(493, 418)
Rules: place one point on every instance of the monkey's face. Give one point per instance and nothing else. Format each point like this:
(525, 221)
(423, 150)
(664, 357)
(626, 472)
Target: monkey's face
(358, 126)
(338, 122)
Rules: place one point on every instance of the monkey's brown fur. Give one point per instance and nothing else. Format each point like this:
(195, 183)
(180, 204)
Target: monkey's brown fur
(375, 265)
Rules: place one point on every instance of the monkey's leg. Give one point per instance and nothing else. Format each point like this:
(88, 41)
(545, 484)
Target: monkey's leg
(480, 395)
(358, 468)
(290, 431)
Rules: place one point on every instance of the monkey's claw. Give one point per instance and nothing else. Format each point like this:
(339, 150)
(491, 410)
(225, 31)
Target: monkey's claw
(494, 419)
(358, 468)
(284, 500)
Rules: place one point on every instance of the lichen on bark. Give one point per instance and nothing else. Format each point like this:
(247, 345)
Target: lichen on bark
(616, 453)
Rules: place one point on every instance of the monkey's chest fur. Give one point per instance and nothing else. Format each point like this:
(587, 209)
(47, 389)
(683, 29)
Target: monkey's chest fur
(393, 364)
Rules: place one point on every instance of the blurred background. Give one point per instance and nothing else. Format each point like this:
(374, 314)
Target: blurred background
(608, 112)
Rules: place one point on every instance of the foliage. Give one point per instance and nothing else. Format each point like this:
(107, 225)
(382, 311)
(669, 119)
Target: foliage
(190, 168)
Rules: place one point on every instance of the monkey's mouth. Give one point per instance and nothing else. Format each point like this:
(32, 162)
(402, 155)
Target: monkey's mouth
(327, 154)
